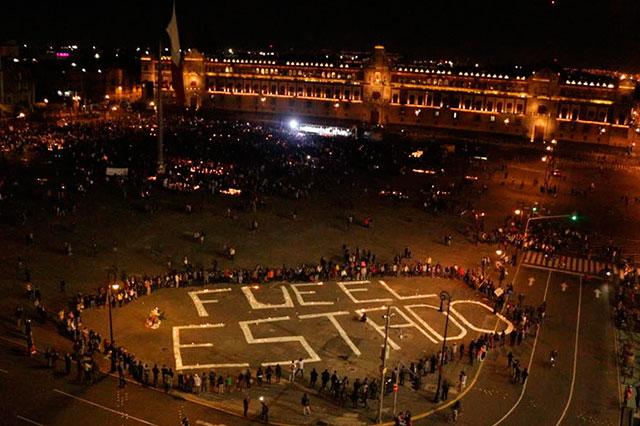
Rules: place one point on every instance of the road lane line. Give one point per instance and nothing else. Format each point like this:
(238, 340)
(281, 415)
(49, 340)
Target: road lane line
(120, 413)
(533, 352)
(544, 268)
(575, 358)
(24, 419)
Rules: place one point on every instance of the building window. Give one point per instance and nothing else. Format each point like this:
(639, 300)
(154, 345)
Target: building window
(602, 116)
(499, 107)
(564, 112)
(394, 99)
(420, 100)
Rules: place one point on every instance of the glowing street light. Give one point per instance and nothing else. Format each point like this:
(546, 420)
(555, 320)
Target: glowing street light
(294, 124)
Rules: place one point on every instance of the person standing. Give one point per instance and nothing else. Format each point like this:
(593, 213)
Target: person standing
(245, 406)
(264, 412)
(121, 380)
(445, 390)
(306, 405)
(278, 373)
(462, 381)
(524, 375)
(300, 368)
(313, 379)
(292, 371)
(155, 372)
(457, 406)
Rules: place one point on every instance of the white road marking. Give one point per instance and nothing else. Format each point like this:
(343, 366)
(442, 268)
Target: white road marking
(544, 268)
(349, 291)
(203, 423)
(288, 303)
(564, 287)
(299, 293)
(575, 358)
(195, 296)
(531, 281)
(466, 322)
(397, 296)
(533, 352)
(463, 331)
(597, 292)
(3, 371)
(95, 404)
(248, 335)
(332, 317)
(177, 354)
(33, 422)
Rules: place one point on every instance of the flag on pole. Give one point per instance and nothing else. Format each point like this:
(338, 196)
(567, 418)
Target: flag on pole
(172, 30)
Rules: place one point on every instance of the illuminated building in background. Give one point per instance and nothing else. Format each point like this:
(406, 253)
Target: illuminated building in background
(380, 90)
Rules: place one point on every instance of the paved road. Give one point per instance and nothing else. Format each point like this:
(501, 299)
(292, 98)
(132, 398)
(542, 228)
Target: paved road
(30, 394)
(554, 396)
(582, 387)
(580, 390)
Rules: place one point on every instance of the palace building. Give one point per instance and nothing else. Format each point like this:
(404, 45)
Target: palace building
(379, 90)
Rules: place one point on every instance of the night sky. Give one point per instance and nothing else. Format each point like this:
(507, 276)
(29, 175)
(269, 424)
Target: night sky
(575, 32)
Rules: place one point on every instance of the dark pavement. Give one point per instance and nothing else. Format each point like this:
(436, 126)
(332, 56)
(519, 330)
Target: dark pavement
(33, 394)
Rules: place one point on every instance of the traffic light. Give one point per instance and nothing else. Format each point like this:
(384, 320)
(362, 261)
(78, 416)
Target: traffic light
(574, 217)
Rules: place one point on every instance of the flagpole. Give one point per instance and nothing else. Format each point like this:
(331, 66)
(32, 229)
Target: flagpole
(160, 147)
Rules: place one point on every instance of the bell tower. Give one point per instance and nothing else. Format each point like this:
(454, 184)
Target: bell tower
(377, 86)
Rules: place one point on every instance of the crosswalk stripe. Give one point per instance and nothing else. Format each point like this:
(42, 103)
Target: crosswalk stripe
(567, 263)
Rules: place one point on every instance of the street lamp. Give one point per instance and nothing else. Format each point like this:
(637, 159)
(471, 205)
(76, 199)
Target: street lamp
(444, 295)
(383, 357)
(112, 287)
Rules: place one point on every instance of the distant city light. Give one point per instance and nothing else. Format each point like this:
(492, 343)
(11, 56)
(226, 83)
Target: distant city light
(294, 124)
(97, 56)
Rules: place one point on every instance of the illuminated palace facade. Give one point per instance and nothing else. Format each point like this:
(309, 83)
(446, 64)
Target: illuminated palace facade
(380, 90)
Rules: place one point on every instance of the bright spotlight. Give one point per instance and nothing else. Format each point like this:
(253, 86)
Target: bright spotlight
(293, 124)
